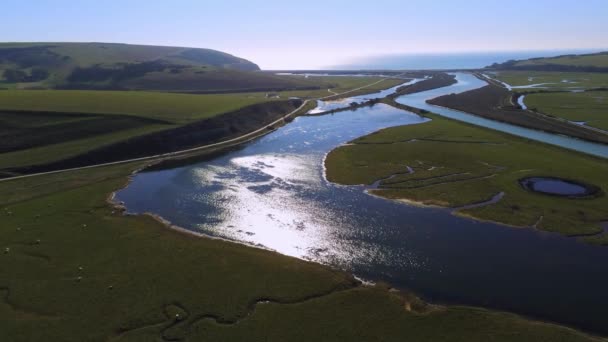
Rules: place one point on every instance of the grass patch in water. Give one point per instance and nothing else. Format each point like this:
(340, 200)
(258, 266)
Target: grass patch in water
(456, 164)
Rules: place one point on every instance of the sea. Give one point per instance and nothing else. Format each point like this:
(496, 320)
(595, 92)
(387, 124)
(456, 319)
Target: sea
(438, 61)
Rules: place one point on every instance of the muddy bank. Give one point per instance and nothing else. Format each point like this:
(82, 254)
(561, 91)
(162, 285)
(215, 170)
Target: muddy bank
(351, 107)
(438, 80)
(223, 127)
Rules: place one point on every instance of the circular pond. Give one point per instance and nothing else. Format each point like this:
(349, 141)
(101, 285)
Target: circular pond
(559, 187)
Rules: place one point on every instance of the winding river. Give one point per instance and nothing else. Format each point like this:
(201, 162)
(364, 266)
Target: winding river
(272, 192)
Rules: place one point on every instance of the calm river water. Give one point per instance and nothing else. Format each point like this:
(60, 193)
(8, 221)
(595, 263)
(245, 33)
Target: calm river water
(272, 192)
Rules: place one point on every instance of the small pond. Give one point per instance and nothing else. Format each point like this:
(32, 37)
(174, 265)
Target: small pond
(559, 187)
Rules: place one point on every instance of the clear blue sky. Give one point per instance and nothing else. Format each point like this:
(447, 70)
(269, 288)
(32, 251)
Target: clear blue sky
(309, 34)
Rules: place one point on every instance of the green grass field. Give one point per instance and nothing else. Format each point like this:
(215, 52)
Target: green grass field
(556, 80)
(220, 80)
(73, 122)
(97, 119)
(496, 103)
(456, 164)
(587, 106)
(176, 108)
(73, 268)
(596, 60)
(172, 107)
(370, 87)
(53, 152)
(590, 107)
(23, 130)
(342, 84)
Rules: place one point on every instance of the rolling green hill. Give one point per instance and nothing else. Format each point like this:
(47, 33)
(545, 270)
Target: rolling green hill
(131, 67)
(595, 62)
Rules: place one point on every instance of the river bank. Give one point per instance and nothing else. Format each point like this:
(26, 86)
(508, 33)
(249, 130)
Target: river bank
(495, 102)
(469, 82)
(95, 260)
(263, 194)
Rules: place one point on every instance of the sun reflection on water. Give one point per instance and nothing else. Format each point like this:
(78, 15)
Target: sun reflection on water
(260, 204)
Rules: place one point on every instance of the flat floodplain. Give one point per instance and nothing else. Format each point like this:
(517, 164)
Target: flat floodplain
(101, 118)
(574, 96)
(530, 80)
(97, 119)
(496, 103)
(455, 165)
(589, 108)
(70, 260)
(171, 107)
(272, 192)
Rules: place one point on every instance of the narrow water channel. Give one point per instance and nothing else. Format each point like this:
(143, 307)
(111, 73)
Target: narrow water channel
(521, 102)
(323, 106)
(272, 193)
(468, 82)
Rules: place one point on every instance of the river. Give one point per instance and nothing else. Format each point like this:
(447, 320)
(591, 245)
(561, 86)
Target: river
(272, 193)
(468, 82)
(324, 106)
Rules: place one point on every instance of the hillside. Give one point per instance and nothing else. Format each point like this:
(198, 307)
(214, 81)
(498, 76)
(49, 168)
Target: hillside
(596, 62)
(106, 66)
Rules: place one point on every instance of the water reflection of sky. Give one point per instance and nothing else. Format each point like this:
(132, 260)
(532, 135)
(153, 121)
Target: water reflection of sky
(276, 198)
(323, 106)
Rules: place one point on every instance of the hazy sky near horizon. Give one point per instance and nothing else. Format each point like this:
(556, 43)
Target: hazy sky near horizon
(314, 34)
